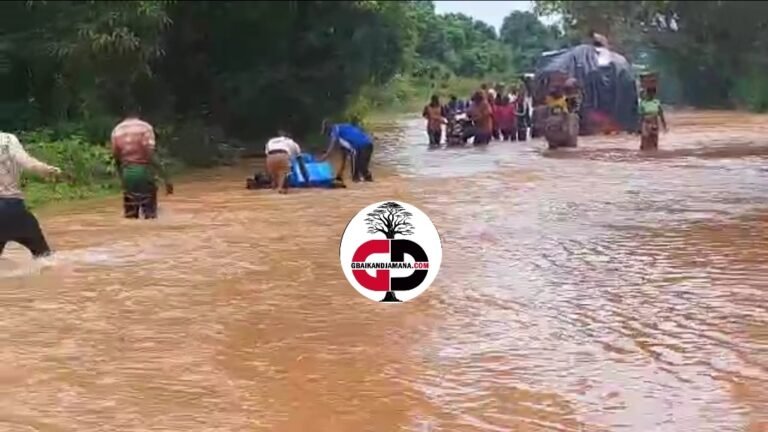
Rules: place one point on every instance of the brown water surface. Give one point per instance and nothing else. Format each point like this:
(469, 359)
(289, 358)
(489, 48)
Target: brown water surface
(589, 289)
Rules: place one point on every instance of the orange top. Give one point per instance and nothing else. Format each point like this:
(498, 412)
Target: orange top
(483, 116)
(434, 116)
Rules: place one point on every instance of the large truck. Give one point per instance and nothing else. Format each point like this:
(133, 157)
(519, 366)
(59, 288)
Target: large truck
(607, 85)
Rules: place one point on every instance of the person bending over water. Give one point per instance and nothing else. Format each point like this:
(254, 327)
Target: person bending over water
(281, 150)
(355, 145)
(133, 148)
(17, 224)
(651, 114)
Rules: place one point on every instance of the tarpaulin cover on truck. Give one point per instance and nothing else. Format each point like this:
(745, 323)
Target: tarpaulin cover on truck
(606, 79)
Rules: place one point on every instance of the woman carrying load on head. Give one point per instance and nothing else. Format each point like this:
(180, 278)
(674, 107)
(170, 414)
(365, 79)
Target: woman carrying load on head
(651, 114)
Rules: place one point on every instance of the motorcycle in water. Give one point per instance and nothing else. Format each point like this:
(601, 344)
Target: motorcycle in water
(456, 130)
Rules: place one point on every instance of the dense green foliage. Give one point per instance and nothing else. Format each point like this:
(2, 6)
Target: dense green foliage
(211, 76)
(527, 38)
(217, 77)
(241, 67)
(716, 51)
(456, 44)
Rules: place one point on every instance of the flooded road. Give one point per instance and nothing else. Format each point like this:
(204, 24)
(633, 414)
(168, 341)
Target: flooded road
(589, 289)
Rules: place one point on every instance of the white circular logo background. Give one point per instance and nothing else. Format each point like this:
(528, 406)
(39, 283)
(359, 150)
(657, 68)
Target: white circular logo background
(420, 231)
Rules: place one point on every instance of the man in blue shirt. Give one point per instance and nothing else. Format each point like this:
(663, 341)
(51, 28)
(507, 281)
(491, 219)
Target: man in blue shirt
(356, 145)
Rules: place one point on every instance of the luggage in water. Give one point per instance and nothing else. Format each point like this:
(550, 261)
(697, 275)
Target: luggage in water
(321, 174)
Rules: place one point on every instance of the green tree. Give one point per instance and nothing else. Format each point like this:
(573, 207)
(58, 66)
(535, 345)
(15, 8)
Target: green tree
(716, 60)
(462, 45)
(528, 37)
(227, 63)
(202, 71)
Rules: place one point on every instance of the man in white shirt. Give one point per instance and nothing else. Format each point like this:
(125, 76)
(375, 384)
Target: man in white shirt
(280, 152)
(16, 222)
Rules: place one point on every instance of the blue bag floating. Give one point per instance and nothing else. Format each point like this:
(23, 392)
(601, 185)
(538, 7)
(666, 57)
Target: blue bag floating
(308, 158)
(320, 173)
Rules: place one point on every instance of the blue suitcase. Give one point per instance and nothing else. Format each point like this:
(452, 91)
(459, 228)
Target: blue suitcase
(320, 174)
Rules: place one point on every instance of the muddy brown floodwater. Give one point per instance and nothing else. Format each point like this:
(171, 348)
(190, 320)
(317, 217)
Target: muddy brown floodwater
(592, 289)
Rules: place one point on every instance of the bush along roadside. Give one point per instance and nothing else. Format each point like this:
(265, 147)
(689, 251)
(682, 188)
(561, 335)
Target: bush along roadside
(88, 167)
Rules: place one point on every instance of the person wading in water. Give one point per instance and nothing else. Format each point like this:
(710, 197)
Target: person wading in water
(17, 224)
(133, 147)
(355, 144)
(281, 151)
(482, 115)
(435, 115)
(486, 92)
(522, 115)
(573, 95)
(504, 115)
(651, 114)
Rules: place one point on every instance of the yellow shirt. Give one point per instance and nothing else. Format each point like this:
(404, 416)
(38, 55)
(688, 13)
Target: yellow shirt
(557, 103)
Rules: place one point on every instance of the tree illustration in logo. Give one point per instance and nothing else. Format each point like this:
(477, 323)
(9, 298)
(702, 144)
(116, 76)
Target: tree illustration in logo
(390, 219)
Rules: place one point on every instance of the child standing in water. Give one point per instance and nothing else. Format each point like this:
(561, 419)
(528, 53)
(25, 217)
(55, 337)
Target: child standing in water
(651, 114)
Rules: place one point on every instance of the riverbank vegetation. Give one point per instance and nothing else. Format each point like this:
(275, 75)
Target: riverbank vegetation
(217, 78)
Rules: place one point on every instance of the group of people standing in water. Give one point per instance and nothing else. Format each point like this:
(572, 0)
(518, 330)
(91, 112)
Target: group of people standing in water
(138, 167)
(494, 113)
(491, 113)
